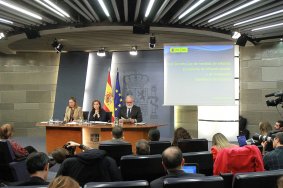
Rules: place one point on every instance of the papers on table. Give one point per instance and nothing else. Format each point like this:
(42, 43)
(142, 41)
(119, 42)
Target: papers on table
(141, 123)
(99, 122)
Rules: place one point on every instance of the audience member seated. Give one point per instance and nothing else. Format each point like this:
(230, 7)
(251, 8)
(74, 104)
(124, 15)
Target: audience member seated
(280, 182)
(142, 147)
(6, 133)
(38, 167)
(90, 166)
(238, 159)
(172, 161)
(64, 182)
(154, 135)
(59, 155)
(179, 134)
(219, 142)
(117, 134)
(273, 160)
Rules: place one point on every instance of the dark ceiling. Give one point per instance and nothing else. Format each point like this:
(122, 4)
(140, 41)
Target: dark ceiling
(164, 13)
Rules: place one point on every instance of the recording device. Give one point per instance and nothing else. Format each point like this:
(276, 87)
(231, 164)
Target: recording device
(190, 168)
(71, 149)
(276, 101)
(262, 138)
(242, 140)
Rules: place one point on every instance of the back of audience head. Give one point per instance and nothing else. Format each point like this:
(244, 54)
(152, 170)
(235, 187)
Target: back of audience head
(6, 131)
(142, 147)
(117, 132)
(179, 134)
(60, 154)
(154, 135)
(280, 182)
(63, 182)
(38, 164)
(220, 141)
(265, 127)
(172, 158)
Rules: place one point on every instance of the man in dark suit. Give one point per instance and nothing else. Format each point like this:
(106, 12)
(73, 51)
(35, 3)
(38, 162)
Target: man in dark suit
(130, 111)
(38, 167)
(172, 161)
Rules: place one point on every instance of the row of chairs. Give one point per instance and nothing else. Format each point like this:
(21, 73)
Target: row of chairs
(116, 151)
(150, 167)
(132, 167)
(241, 180)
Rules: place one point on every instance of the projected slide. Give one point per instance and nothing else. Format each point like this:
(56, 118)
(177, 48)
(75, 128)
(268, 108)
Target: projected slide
(199, 75)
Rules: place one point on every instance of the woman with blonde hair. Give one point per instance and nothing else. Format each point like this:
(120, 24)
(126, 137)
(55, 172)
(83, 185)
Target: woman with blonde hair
(63, 182)
(73, 111)
(6, 133)
(264, 128)
(219, 142)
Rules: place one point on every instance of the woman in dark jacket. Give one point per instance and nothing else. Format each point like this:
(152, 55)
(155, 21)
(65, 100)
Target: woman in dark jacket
(97, 113)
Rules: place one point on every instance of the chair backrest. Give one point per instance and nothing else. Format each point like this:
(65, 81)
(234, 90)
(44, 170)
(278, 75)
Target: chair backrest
(85, 115)
(228, 179)
(126, 184)
(203, 159)
(108, 116)
(157, 147)
(146, 167)
(257, 179)
(238, 159)
(193, 145)
(197, 182)
(116, 151)
(6, 152)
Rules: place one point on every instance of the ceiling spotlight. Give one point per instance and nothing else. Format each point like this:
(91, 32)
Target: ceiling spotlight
(101, 52)
(2, 35)
(134, 51)
(236, 35)
(57, 46)
(281, 39)
(152, 41)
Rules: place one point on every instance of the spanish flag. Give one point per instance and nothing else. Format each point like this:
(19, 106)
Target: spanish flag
(108, 98)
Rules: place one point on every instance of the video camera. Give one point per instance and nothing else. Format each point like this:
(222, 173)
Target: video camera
(263, 138)
(276, 101)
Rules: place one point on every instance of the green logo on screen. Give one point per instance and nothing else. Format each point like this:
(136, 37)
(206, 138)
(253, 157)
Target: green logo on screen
(174, 50)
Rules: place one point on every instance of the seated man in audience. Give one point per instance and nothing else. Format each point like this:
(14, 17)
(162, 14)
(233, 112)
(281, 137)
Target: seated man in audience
(90, 166)
(274, 160)
(173, 161)
(154, 135)
(38, 167)
(142, 147)
(117, 136)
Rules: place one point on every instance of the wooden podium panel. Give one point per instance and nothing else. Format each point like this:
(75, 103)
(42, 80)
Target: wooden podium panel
(58, 136)
(91, 135)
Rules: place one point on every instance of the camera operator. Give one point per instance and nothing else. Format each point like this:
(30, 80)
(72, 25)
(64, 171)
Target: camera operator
(278, 127)
(274, 160)
(266, 140)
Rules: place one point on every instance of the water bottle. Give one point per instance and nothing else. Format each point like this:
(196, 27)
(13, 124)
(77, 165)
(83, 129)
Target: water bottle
(50, 121)
(116, 122)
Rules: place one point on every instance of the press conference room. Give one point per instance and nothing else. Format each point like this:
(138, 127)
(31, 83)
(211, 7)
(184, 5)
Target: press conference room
(141, 93)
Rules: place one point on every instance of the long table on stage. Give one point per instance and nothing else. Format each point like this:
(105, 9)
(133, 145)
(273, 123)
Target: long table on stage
(90, 135)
